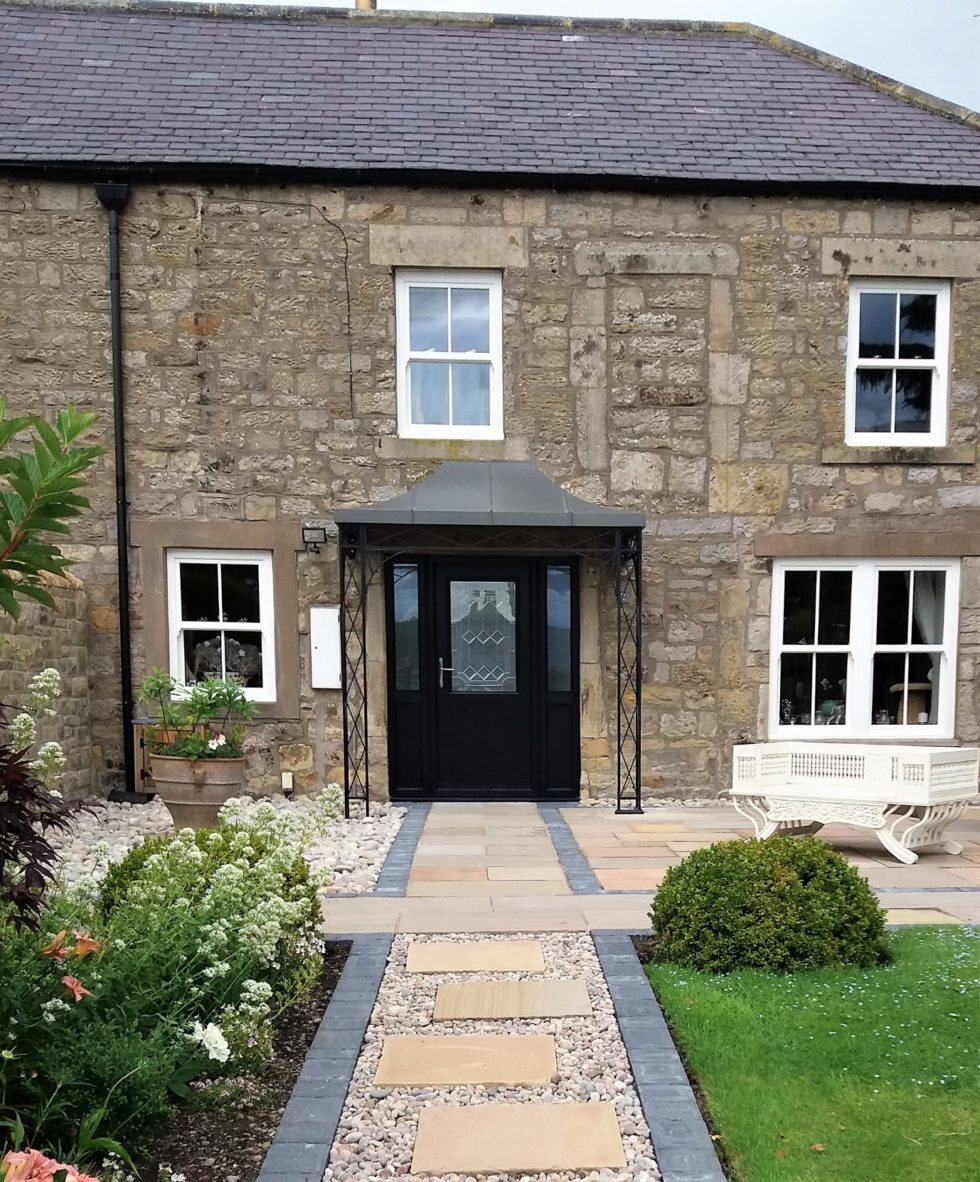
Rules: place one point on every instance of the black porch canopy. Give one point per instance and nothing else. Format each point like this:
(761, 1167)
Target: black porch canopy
(470, 507)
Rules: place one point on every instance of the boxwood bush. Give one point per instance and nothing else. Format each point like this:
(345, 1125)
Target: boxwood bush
(782, 904)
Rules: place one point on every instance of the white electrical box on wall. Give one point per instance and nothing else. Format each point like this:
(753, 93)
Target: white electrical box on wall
(325, 647)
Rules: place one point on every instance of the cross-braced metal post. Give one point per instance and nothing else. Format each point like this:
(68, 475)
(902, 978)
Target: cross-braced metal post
(354, 678)
(627, 575)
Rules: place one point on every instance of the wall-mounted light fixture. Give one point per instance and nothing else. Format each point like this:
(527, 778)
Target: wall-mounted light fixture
(314, 536)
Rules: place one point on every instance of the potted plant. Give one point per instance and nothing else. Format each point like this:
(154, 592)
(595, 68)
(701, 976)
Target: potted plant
(197, 757)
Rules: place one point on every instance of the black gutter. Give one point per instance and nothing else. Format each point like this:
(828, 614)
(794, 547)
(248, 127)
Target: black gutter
(193, 175)
(115, 198)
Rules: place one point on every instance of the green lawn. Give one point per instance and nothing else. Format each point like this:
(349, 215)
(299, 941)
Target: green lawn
(880, 1068)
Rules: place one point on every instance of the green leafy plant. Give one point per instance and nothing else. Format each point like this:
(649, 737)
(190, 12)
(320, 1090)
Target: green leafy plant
(783, 904)
(109, 1012)
(204, 722)
(39, 494)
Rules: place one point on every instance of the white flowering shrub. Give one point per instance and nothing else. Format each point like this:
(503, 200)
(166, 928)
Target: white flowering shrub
(49, 760)
(176, 969)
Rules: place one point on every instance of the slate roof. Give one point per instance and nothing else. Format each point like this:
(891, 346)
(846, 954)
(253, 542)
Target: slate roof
(142, 85)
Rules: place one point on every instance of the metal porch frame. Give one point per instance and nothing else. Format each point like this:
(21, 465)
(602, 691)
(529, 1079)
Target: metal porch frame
(362, 557)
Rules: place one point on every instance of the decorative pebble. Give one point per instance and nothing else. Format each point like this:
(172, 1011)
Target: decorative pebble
(354, 848)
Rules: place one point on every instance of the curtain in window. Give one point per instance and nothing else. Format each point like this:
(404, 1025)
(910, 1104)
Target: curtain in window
(928, 601)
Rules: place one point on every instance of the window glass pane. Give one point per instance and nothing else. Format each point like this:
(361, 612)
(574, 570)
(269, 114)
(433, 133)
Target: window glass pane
(799, 606)
(873, 400)
(471, 394)
(199, 591)
(924, 688)
(559, 629)
(470, 320)
(240, 592)
(888, 689)
(917, 326)
(243, 658)
(795, 688)
(835, 607)
(893, 607)
(429, 385)
(428, 319)
(928, 606)
(877, 320)
(483, 633)
(202, 655)
(406, 613)
(913, 399)
(831, 689)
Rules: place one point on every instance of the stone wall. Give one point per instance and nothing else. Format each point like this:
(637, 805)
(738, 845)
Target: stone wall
(55, 637)
(679, 354)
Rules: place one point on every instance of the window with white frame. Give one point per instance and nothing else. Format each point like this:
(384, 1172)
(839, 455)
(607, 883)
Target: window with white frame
(221, 618)
(448, 327)
(863, 648)
(897, 363)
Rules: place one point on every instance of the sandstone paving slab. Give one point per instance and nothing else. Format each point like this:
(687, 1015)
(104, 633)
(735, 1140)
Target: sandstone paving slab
(468, 873)
(496, 956)
(630, 880)
(484, 889)
(517, 1138)
(472, 1000)
(524, 873)
(495, 1060)
(913, 915)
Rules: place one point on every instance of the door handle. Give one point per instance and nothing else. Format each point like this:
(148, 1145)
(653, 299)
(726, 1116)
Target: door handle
(444, 669)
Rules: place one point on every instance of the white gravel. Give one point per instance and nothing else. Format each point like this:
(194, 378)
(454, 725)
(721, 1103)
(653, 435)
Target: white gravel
(354, 849)
(376, 1134)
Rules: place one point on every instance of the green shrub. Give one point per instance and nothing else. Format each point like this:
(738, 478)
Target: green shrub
(783, 904)
(113, 1006)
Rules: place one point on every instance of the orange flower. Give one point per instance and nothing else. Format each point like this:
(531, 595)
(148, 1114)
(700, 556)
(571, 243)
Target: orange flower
(56, 948)
(84, 944)
(74, 988)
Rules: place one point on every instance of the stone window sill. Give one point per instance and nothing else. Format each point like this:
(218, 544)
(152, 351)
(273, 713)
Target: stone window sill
(954, 453)
(394, 447)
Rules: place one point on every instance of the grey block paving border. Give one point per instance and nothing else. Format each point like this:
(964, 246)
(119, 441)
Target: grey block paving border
(580, 875)
(393, 875)
(681, 1142)
(301, 1147)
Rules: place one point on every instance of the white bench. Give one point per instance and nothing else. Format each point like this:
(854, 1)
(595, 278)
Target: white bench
(797, 787)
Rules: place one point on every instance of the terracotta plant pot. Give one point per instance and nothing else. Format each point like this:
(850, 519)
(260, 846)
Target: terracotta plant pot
(195, 789)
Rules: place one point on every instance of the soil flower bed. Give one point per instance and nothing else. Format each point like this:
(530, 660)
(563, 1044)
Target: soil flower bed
(843, 1076)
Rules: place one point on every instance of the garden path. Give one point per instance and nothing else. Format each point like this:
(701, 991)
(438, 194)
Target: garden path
(512, 867)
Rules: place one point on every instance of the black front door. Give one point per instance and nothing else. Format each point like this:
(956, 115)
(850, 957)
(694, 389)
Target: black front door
(483, 678)
(483, 699)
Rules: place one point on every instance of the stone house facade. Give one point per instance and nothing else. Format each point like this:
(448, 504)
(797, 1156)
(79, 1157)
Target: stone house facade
(717, 356)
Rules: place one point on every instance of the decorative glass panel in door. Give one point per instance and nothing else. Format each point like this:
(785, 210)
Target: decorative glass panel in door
(483, 636)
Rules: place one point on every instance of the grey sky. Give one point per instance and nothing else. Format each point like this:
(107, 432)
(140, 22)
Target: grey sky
(931, 44)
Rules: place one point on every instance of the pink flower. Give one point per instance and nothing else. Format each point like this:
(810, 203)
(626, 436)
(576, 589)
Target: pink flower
(32, 1166)
(74, 988)
(29, 1166)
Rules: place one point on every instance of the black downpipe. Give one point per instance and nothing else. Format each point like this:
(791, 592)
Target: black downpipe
(115, 198)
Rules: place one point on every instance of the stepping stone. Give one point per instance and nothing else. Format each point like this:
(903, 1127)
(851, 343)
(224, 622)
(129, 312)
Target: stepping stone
(511, 999)
(517, 1139)
(498, 1060)
(476, 956)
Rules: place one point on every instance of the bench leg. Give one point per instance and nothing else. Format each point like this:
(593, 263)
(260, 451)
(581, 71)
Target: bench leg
(927, 829)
